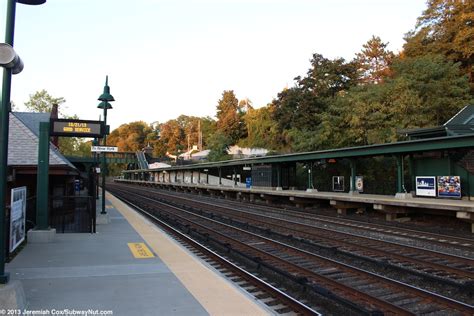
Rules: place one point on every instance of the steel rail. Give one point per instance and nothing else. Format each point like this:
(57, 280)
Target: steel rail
(289, 301)
(423, 293)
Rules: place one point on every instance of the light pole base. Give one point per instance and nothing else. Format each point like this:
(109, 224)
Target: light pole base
(37, 236)
(4, 278)
(102, 219)
(12, 296)
(403, 196)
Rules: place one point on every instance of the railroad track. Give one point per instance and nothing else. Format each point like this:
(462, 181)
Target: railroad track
(431, 264)
(279, 301)
(365, 292)
(399, 232)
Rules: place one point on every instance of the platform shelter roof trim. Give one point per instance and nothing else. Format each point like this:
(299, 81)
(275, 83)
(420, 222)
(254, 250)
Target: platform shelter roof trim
(460, 124)
(23, 141)
(397, 148)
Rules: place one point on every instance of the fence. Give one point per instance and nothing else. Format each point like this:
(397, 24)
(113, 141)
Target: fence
(73, 214)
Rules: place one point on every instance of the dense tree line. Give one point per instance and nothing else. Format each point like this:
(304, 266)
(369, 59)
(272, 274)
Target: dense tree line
(339, 102)
(342, 103)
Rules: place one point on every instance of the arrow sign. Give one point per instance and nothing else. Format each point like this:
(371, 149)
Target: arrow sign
(106, 149)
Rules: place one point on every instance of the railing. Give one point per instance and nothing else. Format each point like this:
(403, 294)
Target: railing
(142, 163)
(73, 214)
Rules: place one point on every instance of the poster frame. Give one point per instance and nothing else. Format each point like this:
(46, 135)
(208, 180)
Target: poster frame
(420, 190)
(17, 217)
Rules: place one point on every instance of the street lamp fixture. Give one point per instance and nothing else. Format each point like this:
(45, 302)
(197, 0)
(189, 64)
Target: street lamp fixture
(4, 123)
(105, 97)
(10, 59)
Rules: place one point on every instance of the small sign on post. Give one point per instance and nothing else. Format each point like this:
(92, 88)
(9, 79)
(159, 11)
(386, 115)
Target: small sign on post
(104, 149)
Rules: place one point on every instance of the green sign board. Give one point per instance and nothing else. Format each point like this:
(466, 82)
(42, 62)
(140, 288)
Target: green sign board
(77, 128)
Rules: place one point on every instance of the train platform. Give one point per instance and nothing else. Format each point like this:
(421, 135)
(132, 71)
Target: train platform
(129, 267)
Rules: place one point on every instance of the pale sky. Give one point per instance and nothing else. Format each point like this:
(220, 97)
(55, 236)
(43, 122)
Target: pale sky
(165, 58)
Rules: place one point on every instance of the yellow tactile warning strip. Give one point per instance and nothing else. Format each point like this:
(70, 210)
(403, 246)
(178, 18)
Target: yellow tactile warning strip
(140, 250)
(212, 291)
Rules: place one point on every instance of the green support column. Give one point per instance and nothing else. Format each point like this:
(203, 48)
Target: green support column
(411, 171)
(220, 176)
(353, 175)
(42, 179)
(4, 126)
(400, 182)
(235, 177)
(199, 176)
(278, 169)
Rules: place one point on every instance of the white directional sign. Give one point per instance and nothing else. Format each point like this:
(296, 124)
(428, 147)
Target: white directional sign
(107, 149)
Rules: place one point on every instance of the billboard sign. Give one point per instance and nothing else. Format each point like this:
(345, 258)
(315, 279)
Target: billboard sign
(449, 186)
(17, 217)
(426, 186)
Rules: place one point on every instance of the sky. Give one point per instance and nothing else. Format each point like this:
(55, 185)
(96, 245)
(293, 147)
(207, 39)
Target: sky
(165, 58)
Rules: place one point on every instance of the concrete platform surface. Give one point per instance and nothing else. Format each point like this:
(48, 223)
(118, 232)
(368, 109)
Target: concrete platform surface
(98, 272)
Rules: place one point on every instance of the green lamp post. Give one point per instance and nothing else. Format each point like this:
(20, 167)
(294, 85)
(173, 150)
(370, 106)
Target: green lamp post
(105, 97)
(4, 122)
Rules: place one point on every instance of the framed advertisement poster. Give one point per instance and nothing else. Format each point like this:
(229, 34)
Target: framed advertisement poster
(338, 184)
(17, 217)
(449, 187)
(426, 186)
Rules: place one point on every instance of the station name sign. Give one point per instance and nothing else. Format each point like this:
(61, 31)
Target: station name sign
(106, 149)
(77, 128)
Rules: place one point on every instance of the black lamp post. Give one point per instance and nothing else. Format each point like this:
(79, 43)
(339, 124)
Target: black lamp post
(105, 97)
(4, 123)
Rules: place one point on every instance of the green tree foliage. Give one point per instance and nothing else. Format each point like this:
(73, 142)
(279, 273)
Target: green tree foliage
(301, 107)
(262, 130)
(446, 27)
(230, 117)
(374, 61)
(42, 102)
(441, 87)
(422, 92)
(218, 144)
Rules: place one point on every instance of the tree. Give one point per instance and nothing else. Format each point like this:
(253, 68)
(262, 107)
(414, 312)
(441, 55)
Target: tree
(423, 91)
(130, 137)
(262, 130)
(42, 102)
(446, 27)
(300, 109)
(218, 144)
(374, 61)
(441, 86)
(230, 117)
